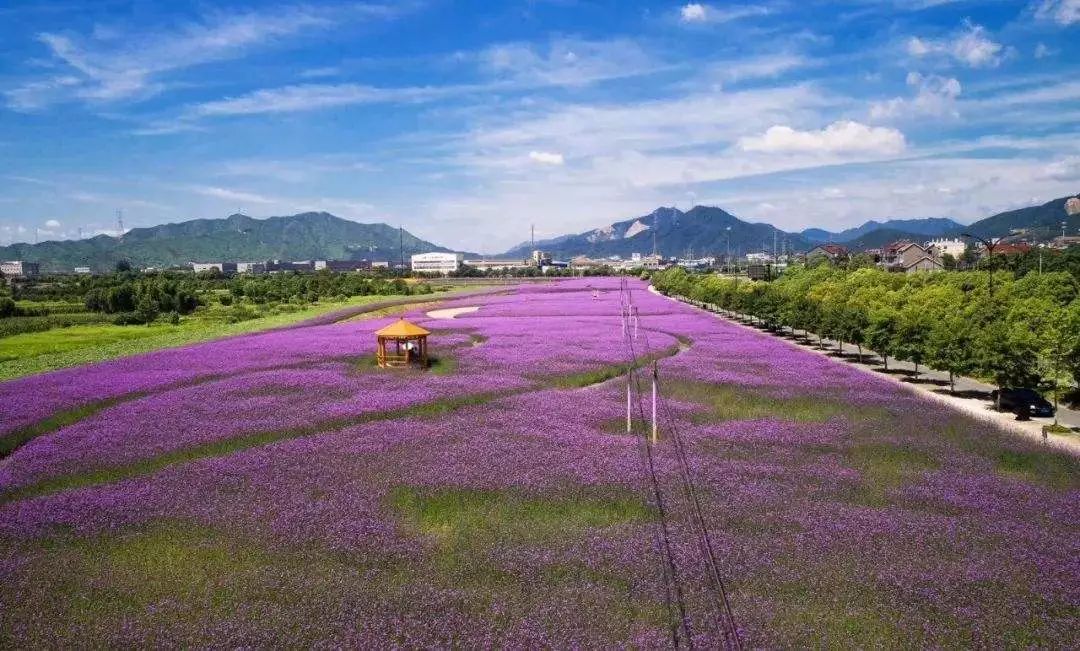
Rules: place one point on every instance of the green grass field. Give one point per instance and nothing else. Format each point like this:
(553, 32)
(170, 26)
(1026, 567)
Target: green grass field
(37, 352)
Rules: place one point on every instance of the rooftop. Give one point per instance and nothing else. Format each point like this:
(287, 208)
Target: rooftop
(402, 328)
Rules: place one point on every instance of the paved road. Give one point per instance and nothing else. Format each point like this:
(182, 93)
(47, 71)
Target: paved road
(938, 381)
(971, 394)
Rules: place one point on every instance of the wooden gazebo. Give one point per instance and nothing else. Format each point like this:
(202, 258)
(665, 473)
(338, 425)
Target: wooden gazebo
(409, 345)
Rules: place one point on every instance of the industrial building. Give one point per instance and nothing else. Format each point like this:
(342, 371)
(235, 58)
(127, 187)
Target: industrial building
(19, 269)
(438, 263)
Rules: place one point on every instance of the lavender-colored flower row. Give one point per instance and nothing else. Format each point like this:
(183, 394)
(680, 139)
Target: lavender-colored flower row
(911, 523)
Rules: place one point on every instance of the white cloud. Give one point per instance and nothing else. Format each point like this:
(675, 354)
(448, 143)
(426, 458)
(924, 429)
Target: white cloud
(934, 96)
(1062, 12)
(970, 46)
(1042, 51)
(510, 67)
(763, 67)
(306, 169)
(52, 223)
(310, 97)
(102, 67)
(565, 62)
(233, 195)
(315, 73)
(698, 13)
(1066, 169)
(546, 158)
(692, 13)
(839, 137)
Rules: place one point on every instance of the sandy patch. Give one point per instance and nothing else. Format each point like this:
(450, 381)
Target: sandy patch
(452, 312)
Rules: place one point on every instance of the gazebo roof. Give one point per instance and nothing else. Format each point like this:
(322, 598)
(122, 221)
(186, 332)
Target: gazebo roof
(402, 328)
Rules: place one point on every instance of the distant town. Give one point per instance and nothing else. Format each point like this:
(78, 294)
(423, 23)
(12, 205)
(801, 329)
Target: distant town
(900, 256)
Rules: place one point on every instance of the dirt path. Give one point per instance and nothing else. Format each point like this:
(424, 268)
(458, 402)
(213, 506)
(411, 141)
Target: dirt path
(451, 312)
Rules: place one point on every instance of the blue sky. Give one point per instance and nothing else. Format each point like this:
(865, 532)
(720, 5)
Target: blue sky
(468, 121)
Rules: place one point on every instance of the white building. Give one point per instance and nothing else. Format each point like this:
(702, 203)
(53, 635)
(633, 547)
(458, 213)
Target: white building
(82, 270)
(953, 246)
(223, 267)
(759, 258)
(251, 267)
(440, 263)
(19, 269)
(497, 264)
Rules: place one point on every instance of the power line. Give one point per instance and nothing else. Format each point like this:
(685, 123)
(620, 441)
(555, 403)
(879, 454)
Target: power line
(662, 538)
(718, 590)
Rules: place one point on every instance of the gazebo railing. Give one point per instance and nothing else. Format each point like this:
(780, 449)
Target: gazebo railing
(393, 359)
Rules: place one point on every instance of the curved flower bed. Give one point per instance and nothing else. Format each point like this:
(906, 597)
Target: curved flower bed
(277, 489)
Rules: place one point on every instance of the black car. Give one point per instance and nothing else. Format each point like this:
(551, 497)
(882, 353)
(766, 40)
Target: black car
(1022, 402)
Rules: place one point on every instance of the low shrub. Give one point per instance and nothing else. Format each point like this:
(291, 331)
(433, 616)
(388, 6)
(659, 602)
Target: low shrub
(18, 325)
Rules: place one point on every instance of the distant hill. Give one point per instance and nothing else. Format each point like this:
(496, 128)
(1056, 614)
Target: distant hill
(702, 230)
(929, 227)
(1043, 221)
(878, 238)
(307, 236)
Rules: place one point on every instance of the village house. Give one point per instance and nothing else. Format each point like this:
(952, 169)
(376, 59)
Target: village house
(925, 263)
(952, 246)
(830, 252)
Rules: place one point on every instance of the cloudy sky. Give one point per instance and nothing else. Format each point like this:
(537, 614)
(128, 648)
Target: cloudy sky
(468, 121)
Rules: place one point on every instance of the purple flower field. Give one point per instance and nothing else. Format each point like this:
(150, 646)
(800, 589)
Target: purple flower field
(278, 489)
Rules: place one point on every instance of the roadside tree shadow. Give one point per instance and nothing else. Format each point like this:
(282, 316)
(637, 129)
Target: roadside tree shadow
(970, 394)
(896, 371)
(925, 380)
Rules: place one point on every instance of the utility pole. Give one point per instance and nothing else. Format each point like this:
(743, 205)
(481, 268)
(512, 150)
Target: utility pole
(727, 243)
(989, 244)
(401, 247)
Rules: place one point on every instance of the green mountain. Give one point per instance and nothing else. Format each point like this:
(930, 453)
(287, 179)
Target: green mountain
(237, 238)
(878, 238)
(925, 228)
(706, 230)
(700, 231)
(1042, 222)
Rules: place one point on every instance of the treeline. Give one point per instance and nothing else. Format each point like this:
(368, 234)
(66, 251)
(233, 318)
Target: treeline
(323, 284)
(132, 297)
(1023, 332)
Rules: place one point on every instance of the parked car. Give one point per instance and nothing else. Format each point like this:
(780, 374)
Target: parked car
(1023, 402)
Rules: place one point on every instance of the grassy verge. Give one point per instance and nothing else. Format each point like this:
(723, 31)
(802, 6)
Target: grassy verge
(38, 352)
(730, 402)
(606, 372)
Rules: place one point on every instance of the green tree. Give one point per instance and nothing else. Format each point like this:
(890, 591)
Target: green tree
(1054, 332)
(1006, 355)
(147, 309)
(949, 347)
(912, 332)
(881, 333)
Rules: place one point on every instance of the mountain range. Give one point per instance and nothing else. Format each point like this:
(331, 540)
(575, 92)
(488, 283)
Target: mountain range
(928, 227)
(700, 231)
(307, 236)
(705, 230)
